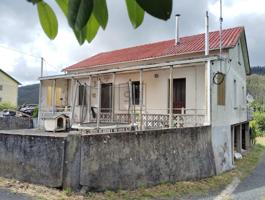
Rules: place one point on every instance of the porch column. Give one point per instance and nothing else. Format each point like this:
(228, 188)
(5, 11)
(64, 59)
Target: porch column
(74, 93)
(99, 103)
(238, 138)
(171, 97)
(247, 135)
(130, 102)
(141, 99)
(89, 98)
(113, 97)
(208, 93)
(53, 95)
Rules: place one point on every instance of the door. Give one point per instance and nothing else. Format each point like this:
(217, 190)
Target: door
(179, 95)
(106, 97)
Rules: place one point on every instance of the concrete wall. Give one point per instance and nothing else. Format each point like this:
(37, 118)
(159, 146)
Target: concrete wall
(134, 159)
(31, 158)
(9, 91)
(9, 123)
(233, 112)
(107, 161)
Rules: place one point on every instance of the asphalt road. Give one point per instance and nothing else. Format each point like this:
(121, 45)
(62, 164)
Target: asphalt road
(253, 187)
(6, 195)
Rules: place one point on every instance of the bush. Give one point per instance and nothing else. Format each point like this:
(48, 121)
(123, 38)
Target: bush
(35, 112)
(7, 106)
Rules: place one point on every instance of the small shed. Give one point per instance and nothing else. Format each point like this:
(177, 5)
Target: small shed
(55, 122)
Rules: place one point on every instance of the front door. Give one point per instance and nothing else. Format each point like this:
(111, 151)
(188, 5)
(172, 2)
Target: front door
(106, 97)
(179, 95)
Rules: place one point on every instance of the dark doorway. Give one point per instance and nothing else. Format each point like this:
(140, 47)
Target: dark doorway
(106, 97)
(179, 95)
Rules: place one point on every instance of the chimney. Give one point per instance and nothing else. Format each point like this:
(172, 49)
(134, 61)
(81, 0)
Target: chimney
(177, 41)
(207, 34)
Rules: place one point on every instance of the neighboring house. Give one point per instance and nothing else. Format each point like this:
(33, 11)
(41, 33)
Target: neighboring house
(161, 85)
(8, 88)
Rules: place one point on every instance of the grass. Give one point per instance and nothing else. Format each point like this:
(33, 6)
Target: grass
(163, 191)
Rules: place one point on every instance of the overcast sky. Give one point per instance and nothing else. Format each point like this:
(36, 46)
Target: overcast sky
(20, 30)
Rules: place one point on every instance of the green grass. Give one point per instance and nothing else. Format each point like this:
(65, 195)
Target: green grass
(162, 191)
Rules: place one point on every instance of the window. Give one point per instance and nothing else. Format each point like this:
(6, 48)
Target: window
(243, 96)
(136, 92)
(235, 94)
(1, 87)
(82, 95)
(221, 90)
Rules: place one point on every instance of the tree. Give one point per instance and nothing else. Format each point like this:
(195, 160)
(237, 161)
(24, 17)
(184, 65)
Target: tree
(85, 17)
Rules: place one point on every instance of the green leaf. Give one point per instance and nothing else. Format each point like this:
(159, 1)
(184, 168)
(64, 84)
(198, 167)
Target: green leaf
(158, 8)
(79, 12)
(136, 13)
(80, 35)
(101, 12)
(91, 28)
(63, 4)
(48, 19)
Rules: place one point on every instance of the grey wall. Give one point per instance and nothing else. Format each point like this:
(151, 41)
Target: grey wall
(107, 161)
(31, 158)
(130, 160)
(9, 123)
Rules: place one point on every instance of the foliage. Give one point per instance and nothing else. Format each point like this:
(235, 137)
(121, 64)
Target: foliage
(256, 87)
(35, 112)
(259, 118)
(86, 16)
(6, 106)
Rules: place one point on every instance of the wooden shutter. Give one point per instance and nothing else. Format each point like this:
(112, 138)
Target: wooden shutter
(221, 91)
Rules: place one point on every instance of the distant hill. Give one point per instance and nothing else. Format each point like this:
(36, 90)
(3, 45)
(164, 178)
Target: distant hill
(28, 94)
(260, 70)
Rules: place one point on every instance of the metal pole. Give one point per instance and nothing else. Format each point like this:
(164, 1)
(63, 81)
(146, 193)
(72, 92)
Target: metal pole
(99, 103)
(171, 97)
(220, 34)
(207, 73)
(141, 99)
(40, 92)
(113, 97)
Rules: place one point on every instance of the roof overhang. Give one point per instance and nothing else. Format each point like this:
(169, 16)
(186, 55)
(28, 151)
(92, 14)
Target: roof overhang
(243, 42)
(179, 63)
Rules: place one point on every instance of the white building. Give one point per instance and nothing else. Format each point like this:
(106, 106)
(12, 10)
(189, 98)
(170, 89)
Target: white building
(161, 85)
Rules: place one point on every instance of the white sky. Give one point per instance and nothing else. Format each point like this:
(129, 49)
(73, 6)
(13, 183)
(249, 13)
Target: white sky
(22, 31)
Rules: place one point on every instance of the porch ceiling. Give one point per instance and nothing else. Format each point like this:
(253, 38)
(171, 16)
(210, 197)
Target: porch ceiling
(178, 63)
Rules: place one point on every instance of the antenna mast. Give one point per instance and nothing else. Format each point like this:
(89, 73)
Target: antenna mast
(221, 28)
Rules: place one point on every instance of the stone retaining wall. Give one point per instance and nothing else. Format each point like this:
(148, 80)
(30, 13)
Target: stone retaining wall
(108, 161)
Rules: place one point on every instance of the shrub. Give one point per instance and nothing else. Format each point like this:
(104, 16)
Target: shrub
(35, 112)
(6, 106)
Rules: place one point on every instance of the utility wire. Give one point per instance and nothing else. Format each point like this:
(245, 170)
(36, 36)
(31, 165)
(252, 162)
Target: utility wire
(20, 52)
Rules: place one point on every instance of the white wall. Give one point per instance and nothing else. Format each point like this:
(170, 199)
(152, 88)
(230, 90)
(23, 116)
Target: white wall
(225, 116)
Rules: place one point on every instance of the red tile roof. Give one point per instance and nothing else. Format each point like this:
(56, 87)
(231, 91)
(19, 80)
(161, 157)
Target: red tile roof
(188, 45)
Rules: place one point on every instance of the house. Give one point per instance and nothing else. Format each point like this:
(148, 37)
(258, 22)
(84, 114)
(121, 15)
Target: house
(186, 82)
(8, 88)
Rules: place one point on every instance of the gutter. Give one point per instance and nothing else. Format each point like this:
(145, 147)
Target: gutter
(143, 67)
